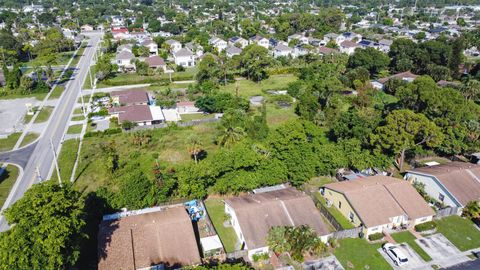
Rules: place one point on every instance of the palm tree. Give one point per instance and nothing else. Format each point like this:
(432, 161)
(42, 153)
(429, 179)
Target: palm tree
(195, 147)
(471, 90)
(231, 135)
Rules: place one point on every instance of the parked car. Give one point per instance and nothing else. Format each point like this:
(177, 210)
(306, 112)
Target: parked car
(395, 254)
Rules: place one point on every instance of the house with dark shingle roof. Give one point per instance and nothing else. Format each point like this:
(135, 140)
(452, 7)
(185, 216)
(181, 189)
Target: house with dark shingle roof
(454, 184)
(378, 203)
(253, 215)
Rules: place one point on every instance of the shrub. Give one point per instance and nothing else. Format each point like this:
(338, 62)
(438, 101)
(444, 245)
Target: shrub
(430, 225)
(260, 257)
(375, 236)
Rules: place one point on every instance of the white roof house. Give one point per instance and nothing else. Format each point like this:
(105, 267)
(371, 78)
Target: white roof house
(218, 43)
(232, 51)
(175, 45)
(282, 50)
(184, 57)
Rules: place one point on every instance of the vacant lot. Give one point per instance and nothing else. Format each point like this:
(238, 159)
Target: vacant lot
(75, 129)
(359, 254)
(66, 159)
(247, 88)
(44, 114)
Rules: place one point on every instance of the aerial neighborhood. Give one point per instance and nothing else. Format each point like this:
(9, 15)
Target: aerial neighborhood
(238, 135)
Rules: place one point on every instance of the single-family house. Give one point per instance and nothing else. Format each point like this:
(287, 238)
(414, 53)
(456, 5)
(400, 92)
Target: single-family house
(130, 97)
(125, 60)
(218, 43)
(174, 45)
(260, 41)
(142, 115)
(282, 50)
(302, 39)
(238, 42)
(322, 50)
(378, 203)
(253, 215)
(300, 50)
(156, 62)
(86, 28)
(384, 45)
(151, 45)
(195, 48)
(231, 51)
(184, 57)
(404, 76)
(365, 43)
(351, 36)
(117, 20)
(125, 47)
(453, 184)
(348, 47)
(184, 107)
(151, 238)
(334, 37)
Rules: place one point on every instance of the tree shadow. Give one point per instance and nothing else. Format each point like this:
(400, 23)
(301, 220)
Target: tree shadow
(90, 253)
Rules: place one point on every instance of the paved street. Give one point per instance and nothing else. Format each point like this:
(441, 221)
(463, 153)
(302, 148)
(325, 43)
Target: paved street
(41, 159)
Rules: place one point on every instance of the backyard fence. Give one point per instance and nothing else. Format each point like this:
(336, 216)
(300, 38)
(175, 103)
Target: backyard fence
(180, 124)
(238, 254)
(350, 233)
(445, 212)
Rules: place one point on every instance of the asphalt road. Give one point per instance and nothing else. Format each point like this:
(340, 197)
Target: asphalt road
(41, 159)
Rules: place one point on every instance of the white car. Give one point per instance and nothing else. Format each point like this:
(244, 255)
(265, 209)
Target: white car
(395, 254)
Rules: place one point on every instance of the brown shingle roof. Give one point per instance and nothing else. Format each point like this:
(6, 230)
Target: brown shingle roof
(155, 61)
(131, 96)
(148, 239)
(376, 199)
(257, 213)
(461, 179)
(348, 44)
(132, 113)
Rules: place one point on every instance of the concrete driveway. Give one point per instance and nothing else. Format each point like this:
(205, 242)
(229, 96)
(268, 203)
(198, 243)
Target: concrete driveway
(328, 263)
(414, 260)
(442, 251)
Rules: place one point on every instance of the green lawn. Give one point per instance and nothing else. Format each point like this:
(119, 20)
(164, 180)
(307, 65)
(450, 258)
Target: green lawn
(38, 96)
(133, 78)
(44, 114)
(8, 143)
(57, 92)
(75, 129)
(78, 118)
(461, 232)
(341, 219)
(78, 110)
(7, 179)
(247, 88)
(355, 253)
(407, 237)
(66, 159)
(216, 212)
(196, 116)
(277, 116)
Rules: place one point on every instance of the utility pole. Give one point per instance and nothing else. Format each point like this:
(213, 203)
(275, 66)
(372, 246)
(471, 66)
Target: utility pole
(56, 163)
(84, 109)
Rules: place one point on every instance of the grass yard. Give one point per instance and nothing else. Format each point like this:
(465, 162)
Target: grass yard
(57, 92)
(38, 96)
(78, 110)
(355, 253)
(78, 118)
(7, 179)
(277, 116)
(247, 88)
(342, 220)
(66, 159)
(196, 116)
(75, 129)
(461, 232)
(8, 143)
(44, 114)
(216, 212)
(407, 237)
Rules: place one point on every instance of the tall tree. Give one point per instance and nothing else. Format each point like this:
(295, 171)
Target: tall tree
(404, 130)
(47, 229)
